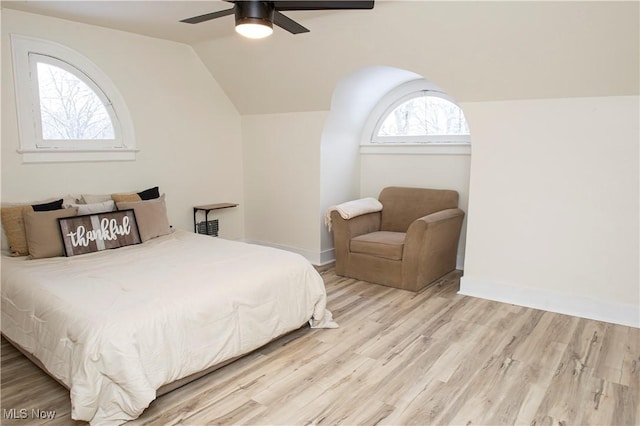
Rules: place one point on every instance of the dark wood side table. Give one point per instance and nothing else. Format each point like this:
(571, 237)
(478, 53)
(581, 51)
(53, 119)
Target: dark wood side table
(206, 209)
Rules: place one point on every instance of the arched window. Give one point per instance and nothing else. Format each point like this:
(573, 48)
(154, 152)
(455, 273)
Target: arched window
(422, 117)
(417, 117)
(72, 108)
(68, 109)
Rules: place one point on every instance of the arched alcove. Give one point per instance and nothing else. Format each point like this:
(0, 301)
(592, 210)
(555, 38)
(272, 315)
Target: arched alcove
(347, 173)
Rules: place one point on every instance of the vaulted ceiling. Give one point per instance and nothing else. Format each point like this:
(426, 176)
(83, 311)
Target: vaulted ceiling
(477, 51)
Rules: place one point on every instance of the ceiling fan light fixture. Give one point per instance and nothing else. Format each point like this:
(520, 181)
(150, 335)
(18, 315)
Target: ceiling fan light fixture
(255, 18)
(254, 28)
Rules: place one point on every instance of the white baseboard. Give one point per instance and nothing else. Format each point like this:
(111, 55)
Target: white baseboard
(327, 256)
(562, 303)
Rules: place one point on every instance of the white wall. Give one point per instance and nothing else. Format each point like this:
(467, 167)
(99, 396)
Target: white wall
(282, 180)
(553, 208)
(187, 130)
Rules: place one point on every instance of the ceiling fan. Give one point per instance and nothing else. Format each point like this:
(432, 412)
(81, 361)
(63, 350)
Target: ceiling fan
(255, 19)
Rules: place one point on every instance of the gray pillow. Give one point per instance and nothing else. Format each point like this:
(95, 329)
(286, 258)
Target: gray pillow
(151, 216)
(43, 232)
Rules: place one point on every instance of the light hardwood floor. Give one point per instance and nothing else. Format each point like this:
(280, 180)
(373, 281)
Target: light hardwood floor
(434, 357)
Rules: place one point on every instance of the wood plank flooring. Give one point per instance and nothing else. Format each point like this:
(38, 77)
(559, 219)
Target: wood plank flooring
(433, 357)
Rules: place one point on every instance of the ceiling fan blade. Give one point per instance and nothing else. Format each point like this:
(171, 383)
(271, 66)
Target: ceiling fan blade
(208, 16)
(288, 24)
(322, 4)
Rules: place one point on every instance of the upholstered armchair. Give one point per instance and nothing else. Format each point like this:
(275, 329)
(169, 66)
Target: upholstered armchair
(409, 244)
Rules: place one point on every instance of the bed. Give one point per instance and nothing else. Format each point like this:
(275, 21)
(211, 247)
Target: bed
(115, 326)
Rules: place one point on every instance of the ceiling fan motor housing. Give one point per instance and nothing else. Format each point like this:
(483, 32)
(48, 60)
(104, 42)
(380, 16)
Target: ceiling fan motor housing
(254, 12)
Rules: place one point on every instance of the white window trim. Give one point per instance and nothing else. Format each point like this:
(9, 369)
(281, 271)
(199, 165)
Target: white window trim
(32, 147)
(417, 149)
(426, 145)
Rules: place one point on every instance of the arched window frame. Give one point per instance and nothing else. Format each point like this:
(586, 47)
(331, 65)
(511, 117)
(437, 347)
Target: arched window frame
(27, 52)
(371, 143)
(34, 60)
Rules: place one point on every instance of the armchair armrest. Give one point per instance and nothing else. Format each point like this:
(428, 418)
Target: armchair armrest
(345, 229)
(431, 246)
(359, 225)
(419, 226)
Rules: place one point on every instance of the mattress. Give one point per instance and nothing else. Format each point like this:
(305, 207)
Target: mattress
(114, 326)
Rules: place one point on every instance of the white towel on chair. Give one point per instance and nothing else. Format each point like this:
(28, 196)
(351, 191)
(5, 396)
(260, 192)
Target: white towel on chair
(353, 208)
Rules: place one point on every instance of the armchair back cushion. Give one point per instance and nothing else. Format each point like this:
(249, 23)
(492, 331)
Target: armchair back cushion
(401, 206)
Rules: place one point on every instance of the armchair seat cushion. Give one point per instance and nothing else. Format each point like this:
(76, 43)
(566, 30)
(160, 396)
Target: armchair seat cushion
(385, 244)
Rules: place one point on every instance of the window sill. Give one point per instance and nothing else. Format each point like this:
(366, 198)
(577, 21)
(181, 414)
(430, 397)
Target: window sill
(68, 156)
(419, 149)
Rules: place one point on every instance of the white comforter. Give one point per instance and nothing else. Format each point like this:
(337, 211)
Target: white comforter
(116, 325)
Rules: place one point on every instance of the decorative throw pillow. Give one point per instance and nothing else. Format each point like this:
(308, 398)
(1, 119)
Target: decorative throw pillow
(147, 194)
(96, 232)
(43, 232)
(84, 209)
(13, 224)
(121, 198)
(96, 198)
(150, 194)
(45, 207)
(151, 216)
